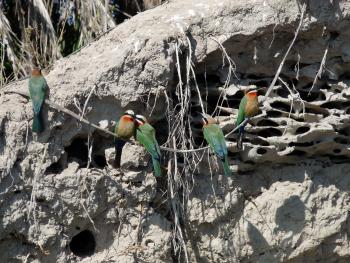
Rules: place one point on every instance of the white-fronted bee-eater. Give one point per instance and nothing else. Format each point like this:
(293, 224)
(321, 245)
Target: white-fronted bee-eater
(216, 140)
(37, 91)
(248, 107)
(124, 130)
(146, 135)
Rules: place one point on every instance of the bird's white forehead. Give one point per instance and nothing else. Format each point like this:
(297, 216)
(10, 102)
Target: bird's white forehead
(130, 112)
(252, 91)
(138, 116)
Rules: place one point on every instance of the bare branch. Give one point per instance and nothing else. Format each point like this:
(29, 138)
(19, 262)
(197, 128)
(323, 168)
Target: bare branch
(62, 109)
(320, 70)
(79, 118)
(287, 52)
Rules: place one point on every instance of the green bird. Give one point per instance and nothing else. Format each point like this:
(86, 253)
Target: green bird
(124, 130)
(216, 140)
(37, 92)
(248, 107)
(146, 135)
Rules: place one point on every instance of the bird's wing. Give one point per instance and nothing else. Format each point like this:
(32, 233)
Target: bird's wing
(241, 111)
(37, 91)
(116, 129)
(215, 138)
(145, 134)
(155, 142)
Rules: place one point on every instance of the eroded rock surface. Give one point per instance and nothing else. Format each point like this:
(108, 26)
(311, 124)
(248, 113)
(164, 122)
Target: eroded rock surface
(289, 198)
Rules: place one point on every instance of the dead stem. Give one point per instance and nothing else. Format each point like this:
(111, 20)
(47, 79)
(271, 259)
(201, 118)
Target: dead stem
(287, 52)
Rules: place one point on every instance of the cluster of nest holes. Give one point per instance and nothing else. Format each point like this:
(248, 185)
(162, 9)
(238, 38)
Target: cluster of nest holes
(274, 124)
(83, 244)
(78, 151)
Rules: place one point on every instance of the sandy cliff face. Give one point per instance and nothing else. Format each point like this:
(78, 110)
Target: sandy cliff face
(289, 198)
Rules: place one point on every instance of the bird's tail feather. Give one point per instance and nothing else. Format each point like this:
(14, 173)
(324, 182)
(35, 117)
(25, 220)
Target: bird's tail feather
(156, 167)
(37, 123)
(227, 170)
(118, 146)
(240, 141)
(240, 138)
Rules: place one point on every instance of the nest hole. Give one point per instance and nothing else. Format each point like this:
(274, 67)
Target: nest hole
(301, 130)
(322, 96)
(345, 103)
(337, 151)
(282, 148)
(232, 155)
(345, 96)
(283, 122)
(298, 119)
(280, 106)
(282, 93)
(297, 153)
(270, 132)
(78, 151)
(55, 168)
(301, 144)
(333, 35)
(83, 244)
(341, 140)
(261, 151)
(333, 105)
(274, 114)
(100, 161)
(267, 122)
(259, 141)
(316, 111)
(308, 97)
(344, 131)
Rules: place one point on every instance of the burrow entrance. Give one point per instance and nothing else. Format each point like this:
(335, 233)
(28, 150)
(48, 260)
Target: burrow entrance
(83, 244)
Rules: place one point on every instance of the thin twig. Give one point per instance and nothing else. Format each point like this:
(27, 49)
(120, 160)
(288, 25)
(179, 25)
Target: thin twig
(273, 35)
(287, 52)
(137, 6)
(173, 204)
(37, 173)
(232, 69)
(87, 100)
(62, 109)
(239, 126)
(76, 116)
(320, 70)
(124, 13)
(203, 148)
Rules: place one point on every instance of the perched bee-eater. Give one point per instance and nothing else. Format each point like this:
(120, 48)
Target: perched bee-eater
(248, 108)
(37, 92)
(124, 129)
(216, 140)
(146, 135)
